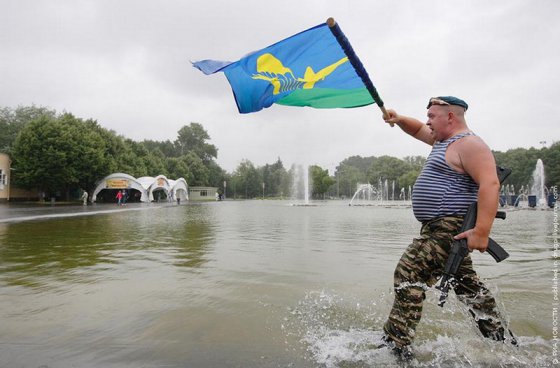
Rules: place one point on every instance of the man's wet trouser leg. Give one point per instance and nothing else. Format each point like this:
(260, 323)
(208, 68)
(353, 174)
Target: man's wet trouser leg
(482, 305)
(419, 268)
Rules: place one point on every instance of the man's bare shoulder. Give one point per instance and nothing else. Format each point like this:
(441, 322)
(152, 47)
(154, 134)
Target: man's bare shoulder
(470, 143)
(468, 152)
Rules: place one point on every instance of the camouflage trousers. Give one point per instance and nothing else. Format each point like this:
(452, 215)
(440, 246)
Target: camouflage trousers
(420, 267)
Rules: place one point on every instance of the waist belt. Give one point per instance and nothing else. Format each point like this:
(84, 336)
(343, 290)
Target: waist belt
(444, 223)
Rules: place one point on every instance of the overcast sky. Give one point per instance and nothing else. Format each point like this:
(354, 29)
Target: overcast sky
(127, 65)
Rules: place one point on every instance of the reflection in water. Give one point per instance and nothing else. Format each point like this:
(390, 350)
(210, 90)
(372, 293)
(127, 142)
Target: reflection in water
(33, 252)
(189, 235)
(81, 249)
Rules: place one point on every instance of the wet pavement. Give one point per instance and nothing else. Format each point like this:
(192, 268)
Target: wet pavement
(17, 212)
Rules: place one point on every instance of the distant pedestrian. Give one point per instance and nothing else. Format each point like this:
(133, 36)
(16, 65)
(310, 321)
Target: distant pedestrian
(119, 198)
(85, 197)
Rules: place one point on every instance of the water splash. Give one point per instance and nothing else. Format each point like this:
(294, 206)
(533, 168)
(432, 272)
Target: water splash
(384, 194)
(365, 194)
(344, 332)
(335, 330)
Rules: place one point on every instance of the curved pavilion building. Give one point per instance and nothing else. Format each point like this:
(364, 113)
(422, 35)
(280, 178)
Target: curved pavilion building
(144, 189)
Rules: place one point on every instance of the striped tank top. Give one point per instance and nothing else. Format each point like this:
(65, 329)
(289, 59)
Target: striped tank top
(440, 190)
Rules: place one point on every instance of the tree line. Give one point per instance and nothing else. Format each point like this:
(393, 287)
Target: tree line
(60, 154)
(404, 172)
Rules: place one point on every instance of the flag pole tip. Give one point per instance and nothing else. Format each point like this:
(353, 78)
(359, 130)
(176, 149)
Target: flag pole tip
(331, 22)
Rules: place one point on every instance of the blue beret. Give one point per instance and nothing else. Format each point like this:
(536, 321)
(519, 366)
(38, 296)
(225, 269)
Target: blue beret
(447, 100)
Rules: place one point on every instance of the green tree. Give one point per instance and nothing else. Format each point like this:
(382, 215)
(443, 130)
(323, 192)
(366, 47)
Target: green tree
(408, 179)
(59, 155)
(192, 138)
(134, 159)
(415, 163)
(120, 153)
(198, 173)
(273, 177)
(91, 160)
(551, 161)
(167, 148)
(246, 181)
(184, 157)
(12, 121)
(152, 161)
(358, 162)
(286, 181)
(321, 181)
(178, 168)
(216, 175)
(387, 167)
(522, 162)
(348, 178)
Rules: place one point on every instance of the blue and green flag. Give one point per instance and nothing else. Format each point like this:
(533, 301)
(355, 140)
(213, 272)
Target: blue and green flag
(315, 68)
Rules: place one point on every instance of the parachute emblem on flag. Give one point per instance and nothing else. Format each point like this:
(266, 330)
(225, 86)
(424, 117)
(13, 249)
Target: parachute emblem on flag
(271, 69)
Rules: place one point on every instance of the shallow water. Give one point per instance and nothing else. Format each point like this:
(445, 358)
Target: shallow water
(248, 284)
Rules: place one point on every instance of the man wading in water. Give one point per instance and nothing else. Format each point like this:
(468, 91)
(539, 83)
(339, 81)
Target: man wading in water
(459, 170)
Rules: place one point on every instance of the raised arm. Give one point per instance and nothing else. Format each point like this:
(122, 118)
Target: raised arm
(411, 126)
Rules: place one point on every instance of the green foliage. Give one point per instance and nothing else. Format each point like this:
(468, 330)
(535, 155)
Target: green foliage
(63, 153)
(189, 167)
(54, 154)
(408, 179)
(190, 157)
(178, 168)
(523, 161)
(386, 167)
(348, 177)
(551, 161)
(199, 173)
(358, 162)
(148, 163)
(321, 181)
(192, 138)
(166, 148)
(246, 181)
(216, 176)
(361, 170)
(276, 178)
(120, 157)
(13, 121)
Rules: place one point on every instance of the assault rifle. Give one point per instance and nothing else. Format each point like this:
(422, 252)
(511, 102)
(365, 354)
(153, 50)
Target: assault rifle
(459, 249)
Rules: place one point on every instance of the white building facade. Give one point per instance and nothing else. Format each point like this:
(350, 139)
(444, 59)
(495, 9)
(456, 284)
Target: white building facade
(147, 188)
